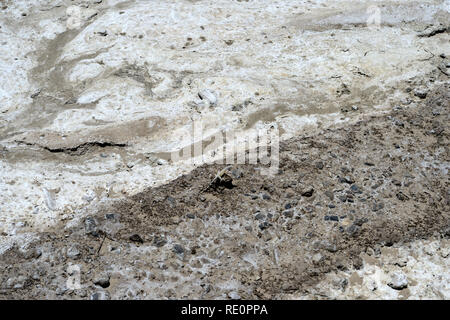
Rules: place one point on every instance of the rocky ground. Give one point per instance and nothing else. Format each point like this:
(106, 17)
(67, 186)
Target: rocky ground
(360, 211)
(92, 208)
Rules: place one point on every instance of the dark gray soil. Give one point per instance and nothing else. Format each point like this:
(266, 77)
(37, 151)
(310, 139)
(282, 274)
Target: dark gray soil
(380, 181)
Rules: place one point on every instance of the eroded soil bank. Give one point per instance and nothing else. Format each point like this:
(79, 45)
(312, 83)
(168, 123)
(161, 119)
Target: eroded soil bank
(94, 96)
(360, 211)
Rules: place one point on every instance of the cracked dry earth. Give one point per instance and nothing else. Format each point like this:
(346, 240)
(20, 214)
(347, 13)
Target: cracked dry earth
(92, 207)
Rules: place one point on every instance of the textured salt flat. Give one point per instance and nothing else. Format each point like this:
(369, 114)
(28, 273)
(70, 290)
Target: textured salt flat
(95, 94)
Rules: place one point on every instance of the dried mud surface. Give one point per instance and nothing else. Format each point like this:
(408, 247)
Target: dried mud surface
(343, 199)
(95, 97)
